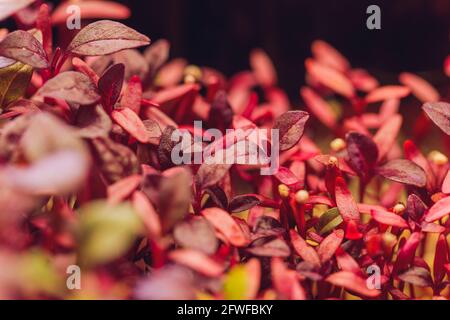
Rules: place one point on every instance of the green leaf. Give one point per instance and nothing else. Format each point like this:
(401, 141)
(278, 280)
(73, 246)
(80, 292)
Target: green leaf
(235, 284)
(106, 231)
(329, 220)
(14, 80)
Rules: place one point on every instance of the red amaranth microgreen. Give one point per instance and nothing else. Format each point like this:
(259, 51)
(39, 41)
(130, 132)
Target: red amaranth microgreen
(89, 174)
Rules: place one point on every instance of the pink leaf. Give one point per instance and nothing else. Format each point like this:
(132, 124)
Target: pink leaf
(331, 78)
(352, 282)
(92, 10)
(8, 8)
(131, 123)
(133, 95)
(197, 261)
(263, 68)
(387, 135)
(223, 222)
(306, 252)
(389, 219)
(329, 245)
(345, 202)
(147, 212)
(329, 56)
(422, 89)
(123, 188)
(319, 107)
(446, 183)
(387, 93)
(285, 281)
(439, 210)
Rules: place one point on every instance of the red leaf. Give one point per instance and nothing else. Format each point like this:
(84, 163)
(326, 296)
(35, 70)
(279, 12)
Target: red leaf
(286, 176)
(404, 171)
(387, 93)
(439, 210)
(422, 89)
(387, 135)
(197, 261)
(263, 68)
(446, 183)
(44, 24)
(347, 263)
(306, 252)
(329, 245)
(84, 68)
(133, 95)
(92, 10)
(362, 80)
(345, 202)
(352, 282)
(406, 254)
(439, 113)
(131, 123)
(147, 212)
(123, 188)
(286, 282)
(330, 77)
(319, 107)
(329, 56)
(389, 219)
(224, 223)
(440, 259)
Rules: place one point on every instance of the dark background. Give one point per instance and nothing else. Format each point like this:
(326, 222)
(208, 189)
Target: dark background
(220, 33)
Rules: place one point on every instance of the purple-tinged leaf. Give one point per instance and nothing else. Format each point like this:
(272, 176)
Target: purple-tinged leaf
(406, 254)
(440, 259)
(268, 247)
(244, 202)
(404, 171)
(417, 276)
(110, 85)
(197, 234)
(71, 86)
(362, 153)
(24, 47)
(439, 113)
(105, 37)
(415, 207)
(210, 174)
(291, 126)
